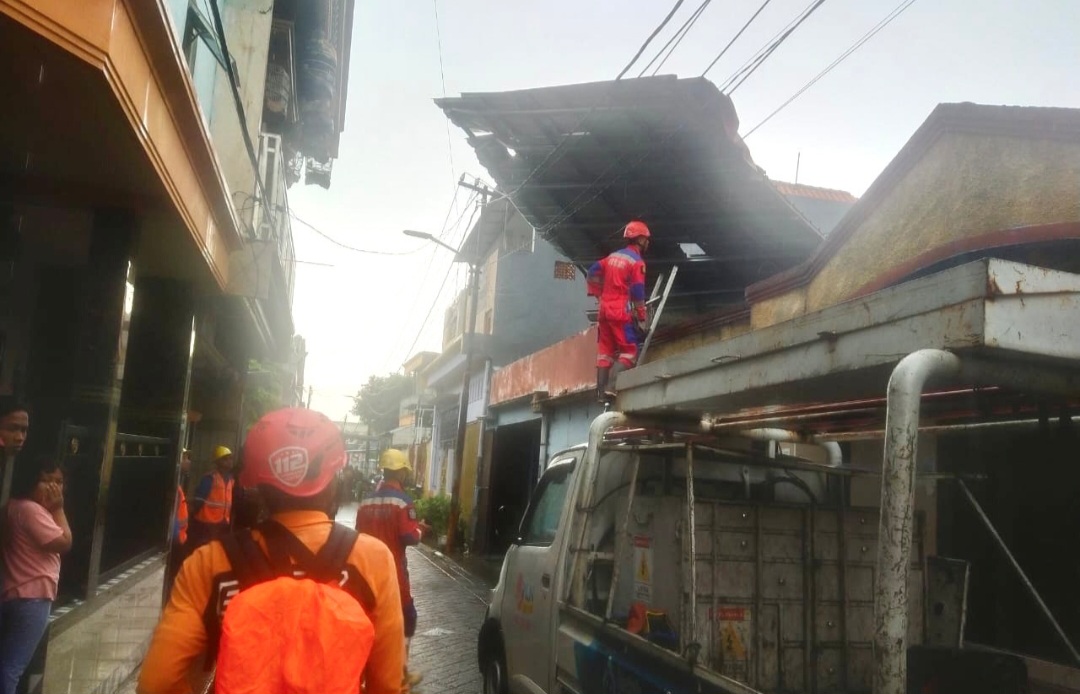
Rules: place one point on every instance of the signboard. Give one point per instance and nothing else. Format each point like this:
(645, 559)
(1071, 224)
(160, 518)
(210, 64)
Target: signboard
(643, 569)
(733, 629)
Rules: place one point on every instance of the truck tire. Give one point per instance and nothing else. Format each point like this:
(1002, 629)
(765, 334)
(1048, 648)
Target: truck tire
(495, 674)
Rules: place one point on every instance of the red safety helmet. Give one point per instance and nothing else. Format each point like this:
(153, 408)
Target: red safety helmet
(295, 450)
(635, 230)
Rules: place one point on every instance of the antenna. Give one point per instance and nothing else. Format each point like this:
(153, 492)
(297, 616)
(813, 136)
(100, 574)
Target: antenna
(798, 160)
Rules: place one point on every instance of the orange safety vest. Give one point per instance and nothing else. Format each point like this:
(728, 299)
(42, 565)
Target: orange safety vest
(217, 507)
(181, 515)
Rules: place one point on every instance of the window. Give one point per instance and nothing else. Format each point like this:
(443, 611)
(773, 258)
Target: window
(541, 521)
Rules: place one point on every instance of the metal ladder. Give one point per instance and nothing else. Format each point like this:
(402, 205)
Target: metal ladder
(660, 298)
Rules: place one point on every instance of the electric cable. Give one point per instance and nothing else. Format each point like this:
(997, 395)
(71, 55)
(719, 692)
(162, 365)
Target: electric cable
(652, 36)
(347, 247)
(757, 55)
(238, 101)
(784, 37)
(676, 38)
(542, 166)
(438, 295)
(736, 37)
(442, 78)
(434, 252)
(897, 11)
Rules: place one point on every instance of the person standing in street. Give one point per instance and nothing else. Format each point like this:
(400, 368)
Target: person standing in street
(35, 533)
(211, 509)
(307, 577)
(14, 427)
(388, 514)
(178, 548)
(618, 282)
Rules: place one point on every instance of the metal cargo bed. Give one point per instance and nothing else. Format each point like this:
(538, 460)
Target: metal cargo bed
(990, 343)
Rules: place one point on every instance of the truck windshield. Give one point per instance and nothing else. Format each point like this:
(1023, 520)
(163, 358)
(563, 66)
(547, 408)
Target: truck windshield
(542, 519)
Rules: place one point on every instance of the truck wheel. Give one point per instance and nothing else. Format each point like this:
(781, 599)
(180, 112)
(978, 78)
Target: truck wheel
(495, 675)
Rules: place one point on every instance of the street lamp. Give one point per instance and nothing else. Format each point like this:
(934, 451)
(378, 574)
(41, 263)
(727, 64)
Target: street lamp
(467, 348)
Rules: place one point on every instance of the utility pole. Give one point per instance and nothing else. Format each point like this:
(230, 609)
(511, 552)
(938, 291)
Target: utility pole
(309, 391)
(467, 347)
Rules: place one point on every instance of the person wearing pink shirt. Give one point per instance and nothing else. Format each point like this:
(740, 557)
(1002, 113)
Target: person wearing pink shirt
(35, 533)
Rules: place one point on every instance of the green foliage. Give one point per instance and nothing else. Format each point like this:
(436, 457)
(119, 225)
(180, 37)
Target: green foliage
(379, 400)
(264, 391)
(435, 511)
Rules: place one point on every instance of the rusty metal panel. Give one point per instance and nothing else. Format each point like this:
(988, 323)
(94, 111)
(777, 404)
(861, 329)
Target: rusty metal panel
(564, 368)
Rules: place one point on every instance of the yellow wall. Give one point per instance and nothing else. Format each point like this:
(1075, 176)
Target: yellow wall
(468, 472)
(965, 186)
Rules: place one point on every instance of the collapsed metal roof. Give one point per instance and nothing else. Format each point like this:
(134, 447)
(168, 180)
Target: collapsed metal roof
(579, 161)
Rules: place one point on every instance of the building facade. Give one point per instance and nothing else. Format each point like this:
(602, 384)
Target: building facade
(147, 247)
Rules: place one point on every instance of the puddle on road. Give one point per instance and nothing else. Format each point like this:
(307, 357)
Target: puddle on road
(437, 631)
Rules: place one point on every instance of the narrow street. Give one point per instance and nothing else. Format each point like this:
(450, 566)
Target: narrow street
(451, 604)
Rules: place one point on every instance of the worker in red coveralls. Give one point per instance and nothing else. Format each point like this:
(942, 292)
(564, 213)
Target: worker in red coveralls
(388, 514)
(618, 281)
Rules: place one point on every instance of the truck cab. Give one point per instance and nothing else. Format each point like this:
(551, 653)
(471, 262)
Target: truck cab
(877, 497)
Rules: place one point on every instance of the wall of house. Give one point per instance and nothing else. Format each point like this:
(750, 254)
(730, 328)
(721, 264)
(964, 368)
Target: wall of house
(247, 28)
(532, 308)
(966, 185)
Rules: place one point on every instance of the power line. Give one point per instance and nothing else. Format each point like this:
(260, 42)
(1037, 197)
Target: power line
(676, 38)
(435, 301)
(897, 11)
(542, 166)
(446, 228)
(736, 37)
(353, 248)
(776, 44)
(442, 78)
(652, 36)
(757, 55)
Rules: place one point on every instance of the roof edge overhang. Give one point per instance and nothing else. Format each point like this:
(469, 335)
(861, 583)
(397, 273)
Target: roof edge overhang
(990, 309)
(1015, 121)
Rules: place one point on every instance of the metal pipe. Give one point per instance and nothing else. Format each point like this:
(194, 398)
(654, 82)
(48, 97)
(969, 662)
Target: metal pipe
(586, 487)
(835, 456)
(1019, 570)
(897, 508)
(626, 533)
(690, 651)
(872, 434)
(545, 425)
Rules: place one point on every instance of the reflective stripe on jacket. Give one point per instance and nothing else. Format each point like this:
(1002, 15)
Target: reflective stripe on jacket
(619, 282)
(216, 506)
(180, 529)
(389, 515)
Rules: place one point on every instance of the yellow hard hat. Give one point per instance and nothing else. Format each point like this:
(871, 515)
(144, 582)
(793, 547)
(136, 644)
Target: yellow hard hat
(220, 452)
(393, 459)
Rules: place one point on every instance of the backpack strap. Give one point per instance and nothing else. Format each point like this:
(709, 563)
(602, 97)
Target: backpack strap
(334, 555)
(248, 562)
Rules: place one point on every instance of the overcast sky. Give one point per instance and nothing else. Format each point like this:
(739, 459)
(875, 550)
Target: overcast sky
(360, 313)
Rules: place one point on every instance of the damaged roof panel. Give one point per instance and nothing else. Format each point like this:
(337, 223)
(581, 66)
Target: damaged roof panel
(579, 161)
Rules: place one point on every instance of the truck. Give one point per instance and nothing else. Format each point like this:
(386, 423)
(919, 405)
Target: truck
(811, 507)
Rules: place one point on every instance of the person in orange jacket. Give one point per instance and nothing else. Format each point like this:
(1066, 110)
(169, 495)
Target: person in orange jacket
(292, 457)
(178, 549)
(211, 509)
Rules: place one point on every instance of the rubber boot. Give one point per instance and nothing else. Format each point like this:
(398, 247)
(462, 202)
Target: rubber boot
(602, 373)
(609, 391)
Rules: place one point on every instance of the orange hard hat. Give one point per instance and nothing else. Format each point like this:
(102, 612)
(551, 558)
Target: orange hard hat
(295, 450)
(636, 229)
